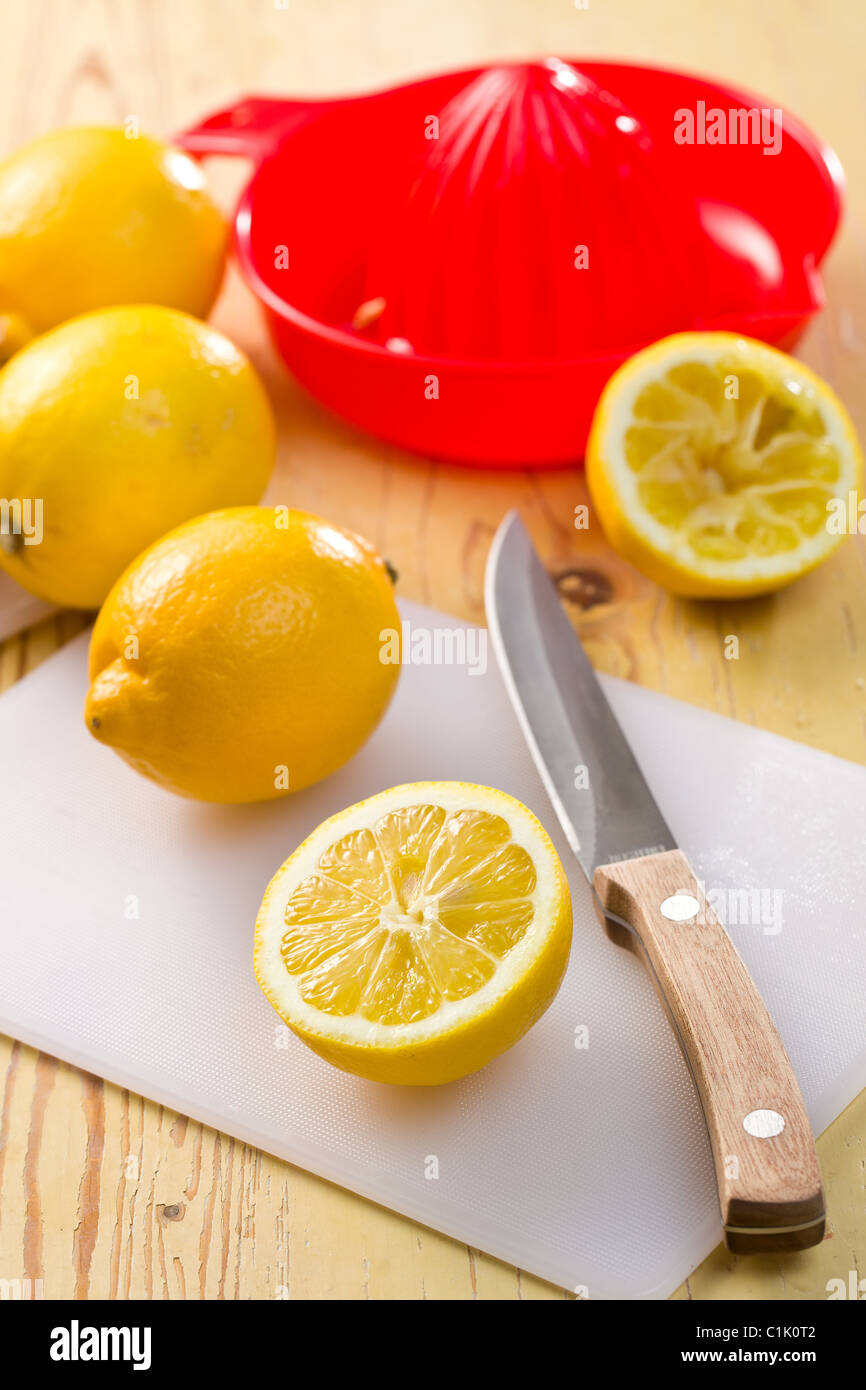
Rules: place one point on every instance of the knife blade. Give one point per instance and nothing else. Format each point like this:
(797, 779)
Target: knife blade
(598, 791)
(648, 898)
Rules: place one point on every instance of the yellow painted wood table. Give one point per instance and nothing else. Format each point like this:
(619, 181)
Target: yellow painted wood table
(103, 1194)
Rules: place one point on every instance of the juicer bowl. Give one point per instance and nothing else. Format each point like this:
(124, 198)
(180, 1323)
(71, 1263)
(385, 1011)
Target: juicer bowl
(423, 289)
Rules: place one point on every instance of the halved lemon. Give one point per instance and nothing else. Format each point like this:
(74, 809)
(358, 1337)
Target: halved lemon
(415, 936)
(711, 463)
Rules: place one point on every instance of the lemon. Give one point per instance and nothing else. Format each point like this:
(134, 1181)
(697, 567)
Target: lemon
(89, 217)
(114, 428)
(714, 463)
(414, 937)
(240, 657)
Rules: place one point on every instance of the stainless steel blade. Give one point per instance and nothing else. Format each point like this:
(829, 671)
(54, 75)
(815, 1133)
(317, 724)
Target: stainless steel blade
(598, 791)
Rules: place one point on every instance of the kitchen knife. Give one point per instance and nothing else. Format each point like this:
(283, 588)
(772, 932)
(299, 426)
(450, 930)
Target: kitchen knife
(648, 899)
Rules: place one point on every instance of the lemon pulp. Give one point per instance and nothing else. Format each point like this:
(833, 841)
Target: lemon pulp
(749, 474)
(409, 914)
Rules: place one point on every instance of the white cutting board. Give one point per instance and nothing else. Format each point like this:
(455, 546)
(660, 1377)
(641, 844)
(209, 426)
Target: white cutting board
(587, 1166)
(18, 609)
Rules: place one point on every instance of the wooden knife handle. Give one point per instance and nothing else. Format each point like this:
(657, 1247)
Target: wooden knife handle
(767, 1169)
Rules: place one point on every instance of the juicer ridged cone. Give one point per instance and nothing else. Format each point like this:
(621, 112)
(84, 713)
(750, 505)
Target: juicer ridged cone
(533, 225)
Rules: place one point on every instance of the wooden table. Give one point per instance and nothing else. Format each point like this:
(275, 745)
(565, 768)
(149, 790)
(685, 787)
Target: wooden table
(103, 1194)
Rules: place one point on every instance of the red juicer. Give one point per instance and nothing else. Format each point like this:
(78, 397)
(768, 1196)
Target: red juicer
(458, 265)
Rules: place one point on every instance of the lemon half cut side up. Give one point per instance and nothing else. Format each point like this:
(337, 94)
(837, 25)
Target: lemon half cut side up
(717, 465)
(417, 935)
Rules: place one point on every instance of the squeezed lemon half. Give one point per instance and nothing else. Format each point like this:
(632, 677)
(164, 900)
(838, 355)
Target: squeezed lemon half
(711, 462)
(418, 934)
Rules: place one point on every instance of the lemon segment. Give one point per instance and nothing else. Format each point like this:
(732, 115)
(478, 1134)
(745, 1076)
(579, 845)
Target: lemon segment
(713, 462)
(415, 936)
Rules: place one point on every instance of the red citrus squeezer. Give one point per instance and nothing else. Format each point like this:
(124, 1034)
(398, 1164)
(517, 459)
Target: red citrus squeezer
(457, 265)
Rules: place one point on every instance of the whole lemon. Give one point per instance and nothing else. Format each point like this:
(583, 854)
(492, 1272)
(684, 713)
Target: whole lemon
(114, 428)
(90, 217)
(245, 655)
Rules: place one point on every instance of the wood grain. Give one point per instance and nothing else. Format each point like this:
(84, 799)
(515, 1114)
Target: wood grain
(770, 1193)
(167, 1208)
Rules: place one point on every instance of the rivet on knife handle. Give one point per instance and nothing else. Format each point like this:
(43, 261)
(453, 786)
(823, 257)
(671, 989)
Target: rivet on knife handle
(766, 1165)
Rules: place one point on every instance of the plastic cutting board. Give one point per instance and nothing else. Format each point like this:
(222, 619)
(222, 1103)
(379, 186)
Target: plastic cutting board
(580, 1155)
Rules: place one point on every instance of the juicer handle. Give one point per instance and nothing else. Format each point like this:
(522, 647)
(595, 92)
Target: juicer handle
(251, 127)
